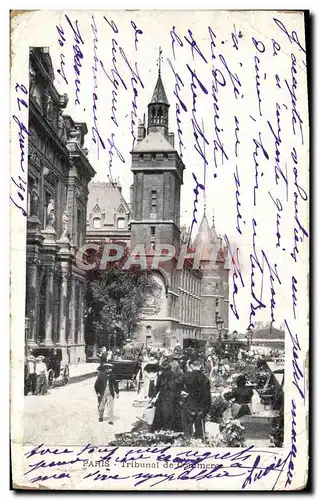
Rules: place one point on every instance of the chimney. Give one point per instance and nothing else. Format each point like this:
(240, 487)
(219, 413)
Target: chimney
(171, 139)
(141, 130)
(119, 185)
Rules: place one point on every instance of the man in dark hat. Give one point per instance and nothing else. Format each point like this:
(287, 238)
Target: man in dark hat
(195, 400)
(106, 386)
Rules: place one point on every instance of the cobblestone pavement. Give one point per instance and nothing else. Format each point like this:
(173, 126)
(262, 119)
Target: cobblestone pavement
(68, 416)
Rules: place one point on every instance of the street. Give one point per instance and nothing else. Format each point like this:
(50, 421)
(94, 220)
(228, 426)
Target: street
(68, 416)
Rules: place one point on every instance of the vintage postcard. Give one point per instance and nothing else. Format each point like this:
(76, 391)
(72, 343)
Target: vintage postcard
(159, 205)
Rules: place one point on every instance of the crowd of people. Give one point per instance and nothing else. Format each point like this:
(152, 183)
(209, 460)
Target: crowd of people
(179, 389)
(35, 376)
(176, 388)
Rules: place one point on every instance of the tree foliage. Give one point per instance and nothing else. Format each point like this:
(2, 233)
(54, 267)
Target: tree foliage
(116, 299)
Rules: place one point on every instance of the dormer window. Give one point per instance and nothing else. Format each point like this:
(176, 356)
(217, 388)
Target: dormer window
(121, 223)
(97, 223)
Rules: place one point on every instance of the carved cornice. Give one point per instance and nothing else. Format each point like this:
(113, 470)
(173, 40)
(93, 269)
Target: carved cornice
(78, 159)
(38, 117)
(42, 161)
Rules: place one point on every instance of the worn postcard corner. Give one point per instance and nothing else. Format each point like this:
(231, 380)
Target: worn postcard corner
(159, 202)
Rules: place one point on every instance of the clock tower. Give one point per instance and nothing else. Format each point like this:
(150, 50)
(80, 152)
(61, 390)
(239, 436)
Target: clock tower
(158, 177)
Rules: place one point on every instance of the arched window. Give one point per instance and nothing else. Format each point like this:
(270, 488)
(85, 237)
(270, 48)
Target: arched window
(160, 114)
(121, 223)
(96, 223)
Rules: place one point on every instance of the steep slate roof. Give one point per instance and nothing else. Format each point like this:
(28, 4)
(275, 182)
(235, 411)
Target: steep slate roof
(213, 231)
(159, 94)
(107, 197)
(154, 141)
(205, 242)
(203, 236)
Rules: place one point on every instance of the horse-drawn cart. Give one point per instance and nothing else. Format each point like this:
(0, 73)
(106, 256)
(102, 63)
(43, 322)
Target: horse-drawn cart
(125, 369)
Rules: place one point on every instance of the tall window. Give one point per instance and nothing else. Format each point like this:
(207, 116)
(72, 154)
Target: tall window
(47, 197)
(121, 223)
(96, 223)
(79, 227)
(152, 230)
(153, 201)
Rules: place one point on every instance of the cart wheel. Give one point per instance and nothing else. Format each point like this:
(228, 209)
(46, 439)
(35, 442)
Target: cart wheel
(66, 375)
(50, 379)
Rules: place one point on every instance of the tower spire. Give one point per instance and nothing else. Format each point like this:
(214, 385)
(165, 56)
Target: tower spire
(159, 105)
(159, 60)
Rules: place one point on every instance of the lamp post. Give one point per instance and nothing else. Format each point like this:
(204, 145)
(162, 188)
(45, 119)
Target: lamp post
(219, 323)
(148, 337)
(249, 336)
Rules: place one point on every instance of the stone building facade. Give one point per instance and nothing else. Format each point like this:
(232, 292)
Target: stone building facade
(108, 214)
(191, 304)
(58, 176)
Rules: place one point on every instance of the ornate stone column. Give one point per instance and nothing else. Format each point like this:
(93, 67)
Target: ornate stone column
(72, 311)
(33, 303)
(82, 311)
(48, 305)
(63, 307)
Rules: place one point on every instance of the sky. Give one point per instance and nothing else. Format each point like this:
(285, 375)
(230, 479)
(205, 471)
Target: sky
(235, 78)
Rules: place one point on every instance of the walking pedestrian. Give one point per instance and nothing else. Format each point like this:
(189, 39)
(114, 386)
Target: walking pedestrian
(150, 373)
(168, 411)
(195, 401)
(106, 386)
(103, 355)
(31, 377)
(41, 372)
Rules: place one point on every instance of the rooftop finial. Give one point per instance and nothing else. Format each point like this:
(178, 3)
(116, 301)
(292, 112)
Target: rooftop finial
(213, 226)
(159, 60)
(204, 208)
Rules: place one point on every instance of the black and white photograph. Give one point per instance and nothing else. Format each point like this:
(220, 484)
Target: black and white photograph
(159, 206)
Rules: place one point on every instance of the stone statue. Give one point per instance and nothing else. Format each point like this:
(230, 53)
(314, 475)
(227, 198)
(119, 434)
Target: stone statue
(62, 132)
(34, 200)
(51, 213)
(65, 224)
(64, 100)
(49, 107)
(184, 234)
(32, 80)
(76, 135)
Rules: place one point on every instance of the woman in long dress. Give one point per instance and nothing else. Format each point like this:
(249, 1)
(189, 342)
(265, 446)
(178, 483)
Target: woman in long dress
(150, 373)
(242, 398)
(168, 412)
